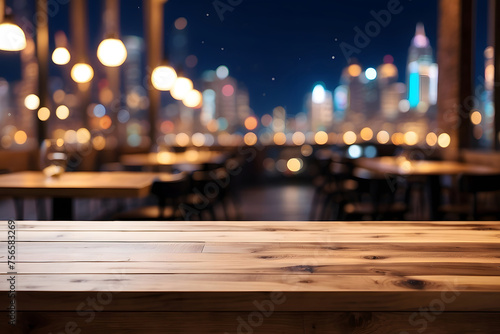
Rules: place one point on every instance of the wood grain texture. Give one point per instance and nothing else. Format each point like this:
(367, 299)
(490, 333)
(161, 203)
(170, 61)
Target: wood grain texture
(319, 277)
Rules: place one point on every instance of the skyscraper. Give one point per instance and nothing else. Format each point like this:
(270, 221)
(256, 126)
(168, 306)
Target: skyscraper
(320, 107)
(422, 72)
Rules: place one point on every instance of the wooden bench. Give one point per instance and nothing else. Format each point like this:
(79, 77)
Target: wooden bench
(253, 277)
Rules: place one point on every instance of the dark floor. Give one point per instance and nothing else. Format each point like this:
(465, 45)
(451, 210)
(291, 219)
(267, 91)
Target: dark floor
(271, 202)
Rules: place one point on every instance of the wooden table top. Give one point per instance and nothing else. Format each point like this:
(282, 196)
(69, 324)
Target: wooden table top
(170, 158)
(385, 266)
(402, 166)
(80, 184)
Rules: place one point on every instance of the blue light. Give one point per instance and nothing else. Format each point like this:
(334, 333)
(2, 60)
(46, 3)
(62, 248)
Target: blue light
(414, 90)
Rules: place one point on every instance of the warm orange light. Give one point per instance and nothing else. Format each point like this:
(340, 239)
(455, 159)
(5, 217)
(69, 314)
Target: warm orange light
(43, 114)
(298, 138)
(251, 123)
(476, 118)
(444, 140)
(321, 137)
(431, 139)
(105, 122)
(62, 112)
(349, 137)
(20, 137)
(383, 137)
(250, 139)
(398, 138)
(411, 138)
(294, 165)
(354, 70)
(182, 139)
(366, 134)
(279, 138)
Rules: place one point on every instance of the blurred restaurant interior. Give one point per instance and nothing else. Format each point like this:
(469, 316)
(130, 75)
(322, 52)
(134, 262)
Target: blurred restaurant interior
(150, 114)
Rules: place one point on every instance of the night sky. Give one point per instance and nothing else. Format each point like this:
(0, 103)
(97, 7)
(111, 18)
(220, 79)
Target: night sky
(290, 41)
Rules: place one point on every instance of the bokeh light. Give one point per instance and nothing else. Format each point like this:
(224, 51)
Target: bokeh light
(163, 78)
(32, 102)
(349, 138)
(62, 112)
(82, 73)
(181, 89)
(411, 138)
(251, 123)
(43, 114)
(193, 99)
(298, 138)
(371, 73)
(444, 140)
(476, 118)
(294, 165)
(61, 56)
(182, 139)
(112, 52)
(383, 137)
(180, 23)
(82, 136)
(431, 139)
(321, 138)
(228, 90)
(279, 138)
(354, 70)
(20, 137)
(366, 134)
(250, 139)
(222, 72)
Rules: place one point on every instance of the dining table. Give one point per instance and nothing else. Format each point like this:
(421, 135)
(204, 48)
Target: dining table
(431, 170)
(70, 185)
(155, 160)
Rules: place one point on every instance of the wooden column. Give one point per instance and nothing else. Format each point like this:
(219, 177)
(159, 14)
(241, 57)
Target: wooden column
(79, 45)
(112, 26)
(455, 60)
(153, 18)
(495, 37)
(42, 53)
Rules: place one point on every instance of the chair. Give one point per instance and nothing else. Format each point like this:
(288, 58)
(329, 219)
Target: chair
(170, 192)
(208, 191)
(376, 197)
(480, 198)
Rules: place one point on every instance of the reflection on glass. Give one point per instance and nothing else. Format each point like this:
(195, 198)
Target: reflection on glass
(53, 158)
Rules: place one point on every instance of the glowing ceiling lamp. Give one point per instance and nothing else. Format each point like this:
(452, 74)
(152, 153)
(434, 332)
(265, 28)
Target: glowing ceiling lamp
(163, 78)
(181, 89)
(112, 52)
(82, 73)
(12, 37)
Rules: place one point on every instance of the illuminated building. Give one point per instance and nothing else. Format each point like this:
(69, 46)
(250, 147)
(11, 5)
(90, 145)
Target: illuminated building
(391, 92)
(320, 109)
(422, 73)
(223, 100)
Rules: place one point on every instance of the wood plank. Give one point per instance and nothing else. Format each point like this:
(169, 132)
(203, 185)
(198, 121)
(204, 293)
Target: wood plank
(295, 301)
(155, 322)
(276, 253)
(118, 281)
(258, 322)
(285, 267)
(400, 322)
(422, 236)
(247, 225)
